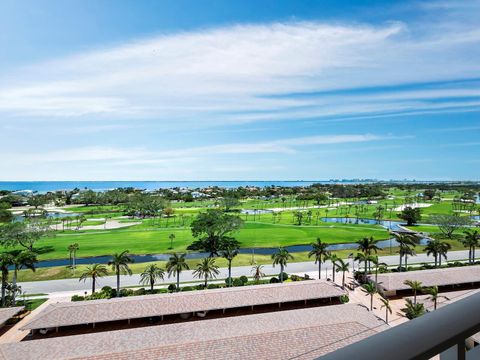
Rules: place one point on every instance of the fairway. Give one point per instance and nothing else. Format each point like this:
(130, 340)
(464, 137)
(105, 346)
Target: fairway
(153, 241)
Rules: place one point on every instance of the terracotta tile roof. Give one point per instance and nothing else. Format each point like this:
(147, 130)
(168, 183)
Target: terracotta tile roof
(7, 313)
(304, 334)
(438, 277)
(94, 311)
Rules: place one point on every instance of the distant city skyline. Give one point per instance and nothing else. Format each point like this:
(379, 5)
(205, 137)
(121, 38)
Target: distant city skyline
(202, 90)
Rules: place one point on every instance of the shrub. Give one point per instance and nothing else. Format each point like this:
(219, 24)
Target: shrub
(359, 275)
(212, 286)
(126, 292)
(96, 296)
(172, 287)
(77, 298)
(187, 288)
(243, 279)
(227, 280)
(283, 275)
(237, 282)
(106, 289)
(344, 299)
(383, 269)
(109, 292)
(295, 278)
(274, 280)
(140, 291)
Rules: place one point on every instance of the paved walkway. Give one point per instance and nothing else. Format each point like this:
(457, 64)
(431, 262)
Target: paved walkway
(70, 285)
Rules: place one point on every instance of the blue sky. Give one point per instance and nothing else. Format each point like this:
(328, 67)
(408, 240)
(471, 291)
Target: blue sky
(245, 90)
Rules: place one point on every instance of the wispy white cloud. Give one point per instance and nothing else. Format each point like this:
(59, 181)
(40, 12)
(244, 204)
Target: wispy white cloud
(129, 156)
(218, 75)
(186, 104)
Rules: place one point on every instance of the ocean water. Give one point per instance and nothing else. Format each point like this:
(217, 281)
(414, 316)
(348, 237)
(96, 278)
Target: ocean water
(44, 186)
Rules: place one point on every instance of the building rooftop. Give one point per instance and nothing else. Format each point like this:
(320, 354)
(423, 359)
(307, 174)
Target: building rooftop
(95, 311)
(303, 334)
(438, 277)
(7, 313)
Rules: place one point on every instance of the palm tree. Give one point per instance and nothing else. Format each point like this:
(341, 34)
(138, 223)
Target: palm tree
(319, 250)
(119, 264)
(434, 295)
(281, 258)
(171, 237)
(412, 310)
(6, 260)
(94, 271)
(72, 248)
(20, 260)
(388, 308)
(415, 286)
(229, 254)
(370, 289)
(432, 248)
(471, 241)
(343, 267)
(443, 250)
(333, 259)
(405, 251)
(175, 265)
(367, 246)
(151, 274)
(257, 273)
(206, 269)
(374, 259)
(361, 257)
(80, 220)
(406, 243)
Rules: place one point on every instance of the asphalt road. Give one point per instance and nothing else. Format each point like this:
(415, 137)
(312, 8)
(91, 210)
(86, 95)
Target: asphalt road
(66, 285)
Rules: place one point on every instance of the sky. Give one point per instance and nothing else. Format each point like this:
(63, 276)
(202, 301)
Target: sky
(239, 90)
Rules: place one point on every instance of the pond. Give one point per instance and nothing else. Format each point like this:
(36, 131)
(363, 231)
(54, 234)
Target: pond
(106, 259)
(50, 215)
(391, 225)
(383, 244)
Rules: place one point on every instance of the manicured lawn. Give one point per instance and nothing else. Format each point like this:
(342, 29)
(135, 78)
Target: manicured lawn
(152, 241)
(33, 303)
(273, 235)
(440, 208)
